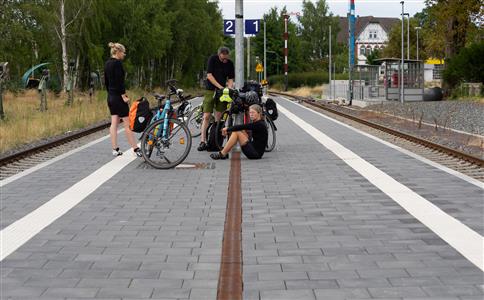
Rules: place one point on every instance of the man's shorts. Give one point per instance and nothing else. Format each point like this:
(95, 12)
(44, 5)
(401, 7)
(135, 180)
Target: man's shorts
(209, 103)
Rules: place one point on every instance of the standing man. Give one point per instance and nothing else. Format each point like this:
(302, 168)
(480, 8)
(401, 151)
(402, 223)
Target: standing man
(220, 73)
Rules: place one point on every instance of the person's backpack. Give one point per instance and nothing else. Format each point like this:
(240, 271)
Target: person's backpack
(211, 137)
(139, 115)
(271, 109)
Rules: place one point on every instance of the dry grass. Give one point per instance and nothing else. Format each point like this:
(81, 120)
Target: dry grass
(314, 92)
(25, 124)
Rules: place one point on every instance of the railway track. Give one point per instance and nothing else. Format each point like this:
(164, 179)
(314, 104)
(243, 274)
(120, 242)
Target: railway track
(21, 160)
(464, 163)
(24, 159)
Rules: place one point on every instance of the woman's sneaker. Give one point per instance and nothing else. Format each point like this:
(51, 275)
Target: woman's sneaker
(117, 152)
(219, 155)
(137, 151)
(202, 147)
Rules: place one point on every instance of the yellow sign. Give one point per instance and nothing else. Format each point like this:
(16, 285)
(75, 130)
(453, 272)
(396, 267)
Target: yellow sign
(264, 82)
(259, 68)
(434, 61)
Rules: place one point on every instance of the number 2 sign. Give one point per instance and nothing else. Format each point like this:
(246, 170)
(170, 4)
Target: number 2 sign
(229, 27)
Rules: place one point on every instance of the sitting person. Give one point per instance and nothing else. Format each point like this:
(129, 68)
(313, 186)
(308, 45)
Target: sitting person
(253, 149)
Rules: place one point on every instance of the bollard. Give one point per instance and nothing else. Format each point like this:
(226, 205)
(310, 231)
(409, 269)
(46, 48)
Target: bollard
(2, 114)
(93, 78)
(3, 77)
(43, 89)
(70, 83)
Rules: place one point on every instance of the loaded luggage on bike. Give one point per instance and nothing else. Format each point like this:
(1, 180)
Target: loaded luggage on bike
(139, 115)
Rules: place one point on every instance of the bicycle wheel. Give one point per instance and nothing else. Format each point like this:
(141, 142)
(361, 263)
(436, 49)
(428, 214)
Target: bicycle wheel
(271, 134)
(225, 121)
(166, 153)
(194, 121)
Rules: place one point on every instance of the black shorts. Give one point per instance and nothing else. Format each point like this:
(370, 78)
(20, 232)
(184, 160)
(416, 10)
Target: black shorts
(249, 151)
(117, 107)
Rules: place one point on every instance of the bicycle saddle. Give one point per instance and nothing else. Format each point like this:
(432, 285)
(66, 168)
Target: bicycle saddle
(171, 82)
(159, 96)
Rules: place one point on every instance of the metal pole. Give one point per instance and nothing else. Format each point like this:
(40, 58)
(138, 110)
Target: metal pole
(265, 51)
(286, 37)
(2, 114)
(330, 66)
(239, 44)
(239, 55)
(401, 65)
(248, 58)
(417, 29)
(417, 44)
(408, 36)
(334, 81)
(351, 42)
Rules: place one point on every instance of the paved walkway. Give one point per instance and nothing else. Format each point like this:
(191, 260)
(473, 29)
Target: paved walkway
(314, 225)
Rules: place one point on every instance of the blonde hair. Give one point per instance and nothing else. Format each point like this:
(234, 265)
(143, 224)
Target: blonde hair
(116, 47)
(257, 108)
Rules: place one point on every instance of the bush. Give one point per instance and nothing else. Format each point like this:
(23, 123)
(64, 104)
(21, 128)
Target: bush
(296, 80)
(466, 66)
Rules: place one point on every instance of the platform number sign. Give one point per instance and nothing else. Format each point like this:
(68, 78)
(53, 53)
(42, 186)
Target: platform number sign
(229, 27)
(251, 26)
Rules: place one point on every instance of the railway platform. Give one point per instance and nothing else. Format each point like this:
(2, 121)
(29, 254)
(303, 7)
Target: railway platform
(331, 213)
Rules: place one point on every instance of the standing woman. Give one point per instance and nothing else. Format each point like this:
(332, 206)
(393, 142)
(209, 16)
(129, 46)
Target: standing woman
(117, 97)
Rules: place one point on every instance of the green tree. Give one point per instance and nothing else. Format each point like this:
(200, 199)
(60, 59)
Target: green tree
(450, 24)
(374, 55)
(315, 21)
(275, 43)
(394, 46)
(467, 66)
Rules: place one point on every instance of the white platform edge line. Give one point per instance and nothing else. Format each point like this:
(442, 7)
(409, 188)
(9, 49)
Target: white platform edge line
(51, 161)
(462, 238)
(404, 151)
(18, 233)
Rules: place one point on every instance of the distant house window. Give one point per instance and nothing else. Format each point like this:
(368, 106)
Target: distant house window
(362, 50)
(368, 50)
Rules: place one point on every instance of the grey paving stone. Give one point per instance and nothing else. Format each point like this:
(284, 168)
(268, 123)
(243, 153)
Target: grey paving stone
(443, 291)
(104, 282)
(282, 275)
(71, 292)
(49, 282)
(135, 274)
(287, 295)
(203, 294)
(260, 285)
(120, 292)
(171, 293)
(311, 284)
(397, 292)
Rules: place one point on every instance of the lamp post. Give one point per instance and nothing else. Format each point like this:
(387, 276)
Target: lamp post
(408, 35)
(275, 55)
(265, 58)
(417, 29)
(329, 64)
(401, 64)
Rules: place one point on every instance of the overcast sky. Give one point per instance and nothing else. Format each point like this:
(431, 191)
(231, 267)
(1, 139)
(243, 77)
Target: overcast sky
(255, 9)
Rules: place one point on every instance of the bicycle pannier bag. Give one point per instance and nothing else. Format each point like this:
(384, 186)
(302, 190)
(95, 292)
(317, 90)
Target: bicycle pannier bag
(139, 115)
(271, 109)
